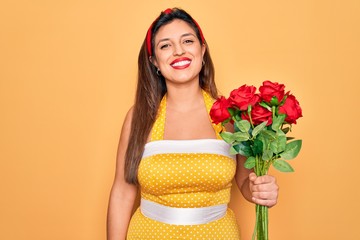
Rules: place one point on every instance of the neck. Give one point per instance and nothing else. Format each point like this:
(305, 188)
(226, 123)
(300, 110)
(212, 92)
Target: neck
(184, 98)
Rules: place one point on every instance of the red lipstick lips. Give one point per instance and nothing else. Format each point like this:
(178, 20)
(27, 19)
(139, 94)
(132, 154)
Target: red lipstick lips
(181, 63)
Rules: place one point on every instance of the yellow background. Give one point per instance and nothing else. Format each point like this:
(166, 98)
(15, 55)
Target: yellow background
(67, 78)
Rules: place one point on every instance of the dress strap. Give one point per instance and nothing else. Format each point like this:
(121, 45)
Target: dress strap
(209, 101)
(157, 132)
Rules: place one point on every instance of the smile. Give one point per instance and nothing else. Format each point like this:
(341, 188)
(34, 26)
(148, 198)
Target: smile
(181, 63)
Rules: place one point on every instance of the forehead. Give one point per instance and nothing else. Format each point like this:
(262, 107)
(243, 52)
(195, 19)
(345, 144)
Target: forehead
(174, 29)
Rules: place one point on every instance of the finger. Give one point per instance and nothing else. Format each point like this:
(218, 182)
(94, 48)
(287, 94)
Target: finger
(252, 177)
(268, 203)
(264, 179)
(265, 187)
(265, 195)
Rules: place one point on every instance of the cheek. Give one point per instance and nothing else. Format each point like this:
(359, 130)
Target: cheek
(161, 56)
(198, 51)
(162, 59)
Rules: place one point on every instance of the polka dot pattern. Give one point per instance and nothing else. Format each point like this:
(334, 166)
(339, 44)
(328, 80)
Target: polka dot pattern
(185, 180)
(157, 132)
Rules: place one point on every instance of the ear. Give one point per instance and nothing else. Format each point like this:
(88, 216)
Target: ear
(153, 61)
(203, 49)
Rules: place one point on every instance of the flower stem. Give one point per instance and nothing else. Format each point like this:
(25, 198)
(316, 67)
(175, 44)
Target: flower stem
(256, 222)
(250, 118)
(261, 222)
(266, 223)
(273, 109)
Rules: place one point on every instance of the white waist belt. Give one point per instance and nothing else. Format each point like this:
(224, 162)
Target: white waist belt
(182, 216)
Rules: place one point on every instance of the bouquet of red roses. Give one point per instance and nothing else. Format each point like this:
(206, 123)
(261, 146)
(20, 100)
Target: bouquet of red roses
(261, 122)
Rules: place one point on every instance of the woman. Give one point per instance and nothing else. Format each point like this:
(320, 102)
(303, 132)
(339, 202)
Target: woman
(171, 151)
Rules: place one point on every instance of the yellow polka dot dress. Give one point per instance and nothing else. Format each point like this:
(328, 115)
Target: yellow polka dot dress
(185, 174)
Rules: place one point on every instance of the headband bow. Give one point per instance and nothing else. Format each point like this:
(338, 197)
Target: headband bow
(148, 35)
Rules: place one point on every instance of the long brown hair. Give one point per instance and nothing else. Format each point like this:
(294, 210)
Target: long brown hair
(151, 87)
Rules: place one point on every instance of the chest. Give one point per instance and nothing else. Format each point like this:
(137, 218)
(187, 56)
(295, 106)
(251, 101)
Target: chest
(185, 172)
(191, 125)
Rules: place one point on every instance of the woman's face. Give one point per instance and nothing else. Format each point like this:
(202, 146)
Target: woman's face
(178, 52)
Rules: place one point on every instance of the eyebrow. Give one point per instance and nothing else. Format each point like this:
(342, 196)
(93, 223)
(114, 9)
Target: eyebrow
(183, 35)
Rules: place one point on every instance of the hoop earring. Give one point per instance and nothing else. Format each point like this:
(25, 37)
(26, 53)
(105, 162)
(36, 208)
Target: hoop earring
(158, 72)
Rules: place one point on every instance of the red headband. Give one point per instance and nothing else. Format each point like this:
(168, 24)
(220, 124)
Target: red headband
(148, 35)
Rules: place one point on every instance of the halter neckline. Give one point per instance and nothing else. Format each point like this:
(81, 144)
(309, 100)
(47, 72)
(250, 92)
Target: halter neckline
(158, 129)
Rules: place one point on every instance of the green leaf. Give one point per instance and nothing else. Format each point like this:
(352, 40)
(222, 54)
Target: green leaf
(243, 125)
(264, 140)
(274, 101)
(286, 130)
(279, 144)
(227, 136)
(265, 105)
(250, 162)
(258, 128)
(292, 149)
(233, 150)
(244, 149)
(231, 111)
(240, 136)
(269, 135)
(237, 117)
(278, 121)
(283, 100)
(267, 155)
(282, 166)
(257, 147)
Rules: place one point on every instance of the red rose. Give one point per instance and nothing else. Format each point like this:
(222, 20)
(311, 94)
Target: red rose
(259, 114)
(243, 97)
(269, 90)
(219, 111)
(291, 108)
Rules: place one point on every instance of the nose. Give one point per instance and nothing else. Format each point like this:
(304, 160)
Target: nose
(178, 50)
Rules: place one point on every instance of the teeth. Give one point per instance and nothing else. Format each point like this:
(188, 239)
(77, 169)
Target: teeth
(181, 63)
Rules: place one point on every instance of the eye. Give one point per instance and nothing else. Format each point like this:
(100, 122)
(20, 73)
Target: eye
(188, 41)
(164, 46)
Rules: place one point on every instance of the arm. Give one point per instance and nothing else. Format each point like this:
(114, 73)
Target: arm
(260, 190)
(123, 194)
